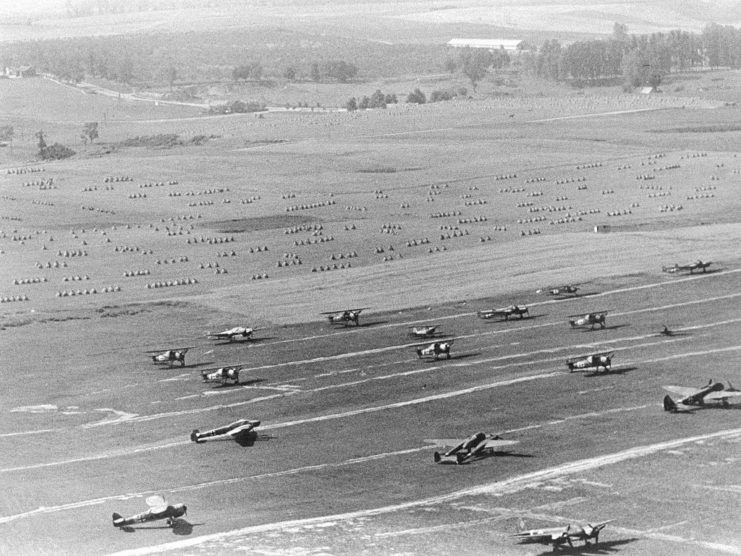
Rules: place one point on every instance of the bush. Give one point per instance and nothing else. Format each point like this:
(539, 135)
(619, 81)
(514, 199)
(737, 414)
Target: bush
(237, 107)
(416, 97)
(56, 152)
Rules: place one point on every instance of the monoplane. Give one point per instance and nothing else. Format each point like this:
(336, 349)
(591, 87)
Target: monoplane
(427, 331)
(698, 265)
(694, 398)
(468, 449)
(505, 312)
(345, 317)
(158, 509)
(588, 319)
(169, 356)
(560, 535)
(233, 333)
(593, 362)
(241, 430)
(435, 349)
(222, 375)
(566, 289)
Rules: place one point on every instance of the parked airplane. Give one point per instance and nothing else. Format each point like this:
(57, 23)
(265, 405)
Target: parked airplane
(588, 319)
(561, 290)
(423, 331)
(590, 362)
(239, 430)
(345, 317)
(469, 449)
(158, 509)
(559, 535)
(699, 265)
(693, 398)
(169, 356)
(505, 312)
(435, 349)
(232, 333)
(222, 375)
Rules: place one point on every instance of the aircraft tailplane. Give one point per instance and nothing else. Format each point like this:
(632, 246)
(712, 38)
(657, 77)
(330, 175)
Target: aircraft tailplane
(437, 457)
(118, 520)
(669, 403)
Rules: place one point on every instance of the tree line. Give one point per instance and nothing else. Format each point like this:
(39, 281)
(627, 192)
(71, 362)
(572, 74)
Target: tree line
(637, 59)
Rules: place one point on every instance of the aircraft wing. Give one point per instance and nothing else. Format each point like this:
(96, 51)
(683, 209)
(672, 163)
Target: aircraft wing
(683, 391)
(493, 444)
(156, 503)
(445, 442)
(723, 394)
(541, 535)
(236, 431)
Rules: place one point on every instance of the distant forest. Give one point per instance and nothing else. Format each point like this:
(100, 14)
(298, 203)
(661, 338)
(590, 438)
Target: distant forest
(268, 54)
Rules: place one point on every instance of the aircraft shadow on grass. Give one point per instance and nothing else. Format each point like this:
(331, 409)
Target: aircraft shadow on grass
(179, 527)
(603, 547)
(242, 342)
(614, 371)
(370, 323)
(501, 454)
(452, 357)
(248, 382)
(611, 327)
(515, 318)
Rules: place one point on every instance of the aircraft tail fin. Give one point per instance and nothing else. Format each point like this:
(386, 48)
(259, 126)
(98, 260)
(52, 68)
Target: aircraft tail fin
(194, 435)
(437, 457)
(118, 520)
(669, 403)
(521, 525)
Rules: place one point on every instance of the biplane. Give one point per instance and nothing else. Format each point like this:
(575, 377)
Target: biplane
(698, 265)
(222, 375)
(505, 312)
(169, 356)
(345, 317)
(158, 509)
(560, 535)
(694, 398)
(427, 331)
(469, 449)
(588, 319)
(240, 430)
(232, 333)
(435, 349)
(566, 289)
(590, 362)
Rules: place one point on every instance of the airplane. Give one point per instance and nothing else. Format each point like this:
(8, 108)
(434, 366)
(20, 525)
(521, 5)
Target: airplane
(239, 430)
(693, 398)
(427, 331)
(589, 362)
(560, 535)
(561, 290)
(588, 319)
(699, 265)
(345, 317)
(436, 349)
(158, 509)
(222, 374)
(505, 312)
(233, 333)
(169, 356)
(468, 449)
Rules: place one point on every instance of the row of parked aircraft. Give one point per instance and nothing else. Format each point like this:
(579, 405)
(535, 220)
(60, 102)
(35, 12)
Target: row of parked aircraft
(457, 451)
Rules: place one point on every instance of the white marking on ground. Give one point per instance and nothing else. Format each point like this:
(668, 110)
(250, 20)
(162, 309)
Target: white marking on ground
(43, 408)
(595, 114)
(117, 417)
(513, 484)
(582, 392)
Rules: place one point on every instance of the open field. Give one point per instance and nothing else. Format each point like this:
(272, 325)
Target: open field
(423, 214)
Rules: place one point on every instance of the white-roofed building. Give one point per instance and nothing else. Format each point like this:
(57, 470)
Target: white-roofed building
(509, 45)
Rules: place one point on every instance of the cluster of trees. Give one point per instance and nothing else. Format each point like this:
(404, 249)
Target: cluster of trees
(416, 97)
(638, 59)
(474, 63)
(237, 107)
(447, 94)
(376, 100)
(57, 151)
(252, 71)
(333, 70)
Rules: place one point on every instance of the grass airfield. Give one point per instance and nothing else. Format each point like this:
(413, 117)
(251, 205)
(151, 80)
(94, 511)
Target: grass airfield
(90, 426)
